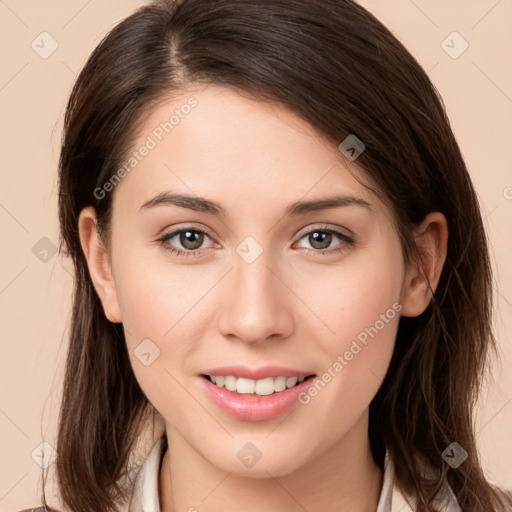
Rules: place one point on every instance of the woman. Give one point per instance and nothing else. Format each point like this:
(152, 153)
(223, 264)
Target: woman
(205, 143)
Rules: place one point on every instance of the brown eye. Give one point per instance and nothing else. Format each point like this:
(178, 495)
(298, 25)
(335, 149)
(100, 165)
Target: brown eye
(191, 239)
(184, 241)
(321, 241)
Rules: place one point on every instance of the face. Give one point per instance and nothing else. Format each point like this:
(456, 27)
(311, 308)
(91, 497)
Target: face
(252, 281)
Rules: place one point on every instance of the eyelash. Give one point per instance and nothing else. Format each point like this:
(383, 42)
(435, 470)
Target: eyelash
(349, 240)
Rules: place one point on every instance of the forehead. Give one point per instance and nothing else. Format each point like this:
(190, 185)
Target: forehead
(214, 142)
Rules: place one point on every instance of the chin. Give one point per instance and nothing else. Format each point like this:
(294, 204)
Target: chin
(258, 459)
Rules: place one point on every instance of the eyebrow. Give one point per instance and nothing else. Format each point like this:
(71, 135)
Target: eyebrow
(297, 208)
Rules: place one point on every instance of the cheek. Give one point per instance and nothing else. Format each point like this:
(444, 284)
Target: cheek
(366, 302)
(154, 303)
(356, 357)
(160, 303)
(361, 293)
(157, 298)
(360, 305)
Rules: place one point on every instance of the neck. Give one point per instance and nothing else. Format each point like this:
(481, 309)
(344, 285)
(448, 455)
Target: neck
(343, 478)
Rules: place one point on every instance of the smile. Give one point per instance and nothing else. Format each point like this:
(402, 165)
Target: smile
(255, 399)
(261, 387)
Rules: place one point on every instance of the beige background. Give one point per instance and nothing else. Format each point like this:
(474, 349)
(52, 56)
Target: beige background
(35, 294)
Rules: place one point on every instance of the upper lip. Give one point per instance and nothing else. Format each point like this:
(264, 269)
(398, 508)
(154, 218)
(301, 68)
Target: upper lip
(256, 373)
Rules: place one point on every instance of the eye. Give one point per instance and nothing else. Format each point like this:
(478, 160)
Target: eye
(192, 239)
(189, 238)
(322, 238)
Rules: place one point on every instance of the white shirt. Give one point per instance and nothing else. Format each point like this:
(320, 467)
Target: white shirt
(145, 492)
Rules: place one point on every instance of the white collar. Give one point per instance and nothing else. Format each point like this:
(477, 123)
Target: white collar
(145, 491)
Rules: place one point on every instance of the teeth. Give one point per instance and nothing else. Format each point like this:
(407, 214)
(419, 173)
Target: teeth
(291, 381)
(264, 386)
(229, 382)
(261, 387)
(280, 384)
(245, 386)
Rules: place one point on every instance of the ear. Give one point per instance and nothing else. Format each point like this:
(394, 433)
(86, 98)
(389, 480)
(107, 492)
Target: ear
(432, 241)
(98, 263)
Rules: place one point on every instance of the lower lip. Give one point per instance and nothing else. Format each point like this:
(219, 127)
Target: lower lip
(253, 407)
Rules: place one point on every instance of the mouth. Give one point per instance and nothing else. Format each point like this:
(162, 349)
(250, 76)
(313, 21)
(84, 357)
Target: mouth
(261, 387)
(266, 397)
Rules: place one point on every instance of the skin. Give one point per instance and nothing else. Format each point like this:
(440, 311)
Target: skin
(292, 306)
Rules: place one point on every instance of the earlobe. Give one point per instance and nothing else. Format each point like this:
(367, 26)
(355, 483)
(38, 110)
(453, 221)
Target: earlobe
(422, 277)
(98, 264)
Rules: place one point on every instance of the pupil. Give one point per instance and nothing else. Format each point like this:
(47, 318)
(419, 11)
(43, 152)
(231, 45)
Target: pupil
(320, 238)
(191, 239)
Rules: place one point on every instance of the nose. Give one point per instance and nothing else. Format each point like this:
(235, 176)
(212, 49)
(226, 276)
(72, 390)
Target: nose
(258, 304)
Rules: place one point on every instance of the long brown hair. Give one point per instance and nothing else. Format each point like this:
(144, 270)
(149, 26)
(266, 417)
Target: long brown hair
(340, 69)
